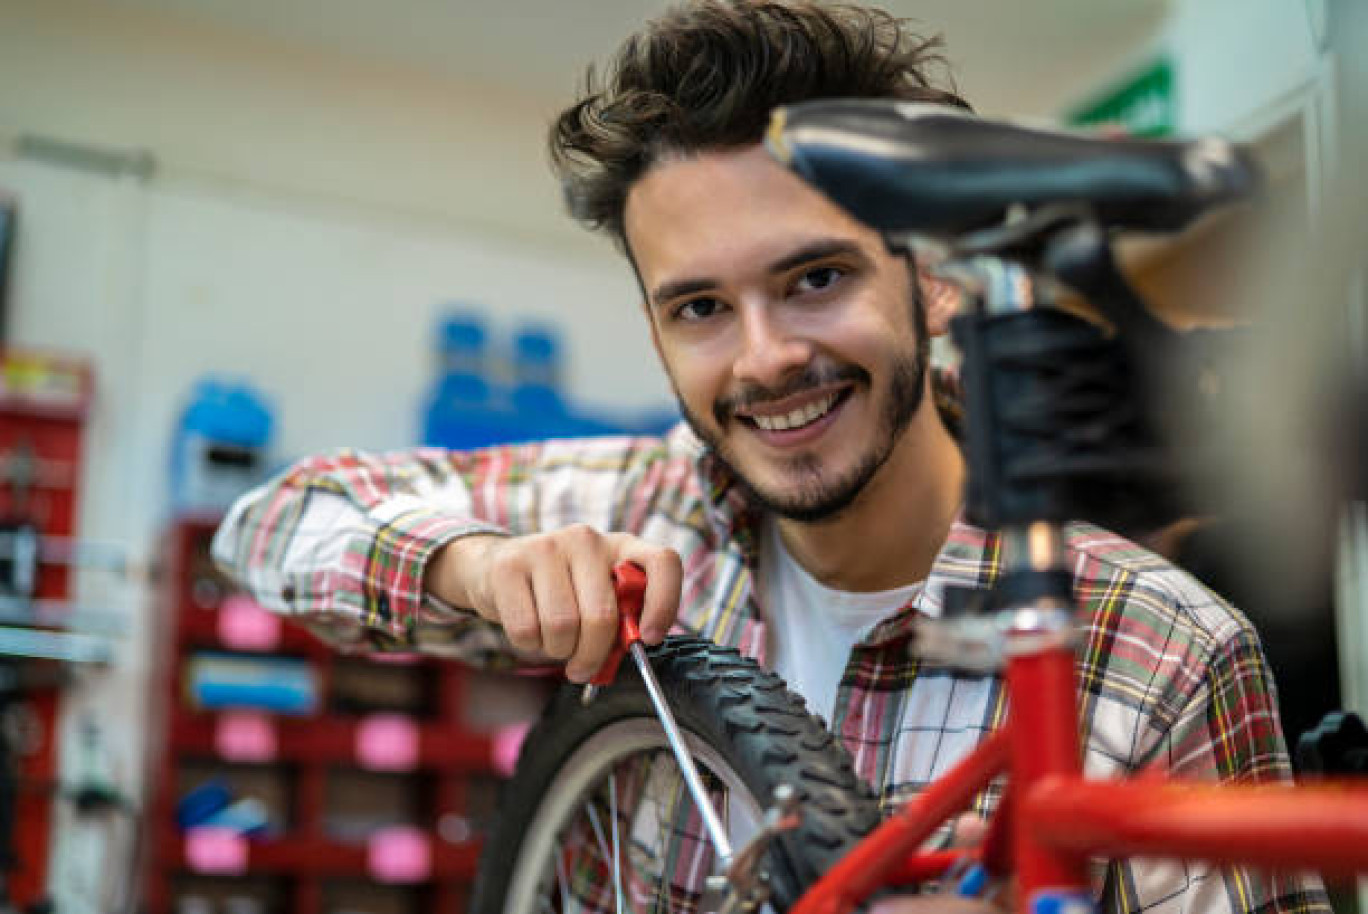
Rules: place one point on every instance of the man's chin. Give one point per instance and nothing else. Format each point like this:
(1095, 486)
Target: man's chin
(816, 509)
(810, 500)
(803, 489)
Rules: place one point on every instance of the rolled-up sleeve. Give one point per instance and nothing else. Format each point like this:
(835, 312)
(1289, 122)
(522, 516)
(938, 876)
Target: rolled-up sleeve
(341, 542)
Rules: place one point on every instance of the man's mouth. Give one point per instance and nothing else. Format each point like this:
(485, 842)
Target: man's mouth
(803, 415)
(778, 418)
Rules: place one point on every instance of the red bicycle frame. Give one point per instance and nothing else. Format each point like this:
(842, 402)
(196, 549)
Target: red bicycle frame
(1051, 820)
(947, 176)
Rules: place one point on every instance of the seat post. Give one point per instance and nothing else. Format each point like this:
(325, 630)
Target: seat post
(1033, 594)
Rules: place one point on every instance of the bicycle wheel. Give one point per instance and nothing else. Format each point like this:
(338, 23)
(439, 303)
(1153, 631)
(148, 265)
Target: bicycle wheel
(597, 814)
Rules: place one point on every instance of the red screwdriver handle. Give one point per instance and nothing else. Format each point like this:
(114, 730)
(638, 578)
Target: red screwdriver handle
(629, 583)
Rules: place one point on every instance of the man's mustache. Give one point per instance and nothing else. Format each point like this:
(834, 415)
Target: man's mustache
(811, 378)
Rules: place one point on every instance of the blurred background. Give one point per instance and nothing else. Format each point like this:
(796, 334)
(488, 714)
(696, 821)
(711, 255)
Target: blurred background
(236, 232)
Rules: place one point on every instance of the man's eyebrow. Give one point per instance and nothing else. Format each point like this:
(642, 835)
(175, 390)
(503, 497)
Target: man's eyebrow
(668, 291)
(817, 250)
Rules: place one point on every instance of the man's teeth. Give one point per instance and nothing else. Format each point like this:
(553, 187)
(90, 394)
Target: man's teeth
(799, 417)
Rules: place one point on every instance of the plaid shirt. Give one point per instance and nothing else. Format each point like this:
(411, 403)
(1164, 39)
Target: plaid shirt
(1171, 677)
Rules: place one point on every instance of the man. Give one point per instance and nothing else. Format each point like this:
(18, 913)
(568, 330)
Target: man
(809, 510)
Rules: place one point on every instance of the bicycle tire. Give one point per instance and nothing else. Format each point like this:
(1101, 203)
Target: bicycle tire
(734, 715)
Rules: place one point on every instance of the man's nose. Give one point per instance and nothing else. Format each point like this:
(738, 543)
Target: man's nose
(770, 351)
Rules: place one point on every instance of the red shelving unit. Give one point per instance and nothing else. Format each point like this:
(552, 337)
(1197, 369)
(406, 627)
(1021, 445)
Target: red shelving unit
(389, 733)
(44, 399)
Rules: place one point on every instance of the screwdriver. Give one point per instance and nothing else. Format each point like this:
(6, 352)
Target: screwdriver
(629, 583)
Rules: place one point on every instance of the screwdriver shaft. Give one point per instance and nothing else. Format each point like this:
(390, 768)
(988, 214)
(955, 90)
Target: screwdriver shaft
(692, 779)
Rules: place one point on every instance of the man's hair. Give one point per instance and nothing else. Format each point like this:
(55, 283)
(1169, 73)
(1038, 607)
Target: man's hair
(706, 76)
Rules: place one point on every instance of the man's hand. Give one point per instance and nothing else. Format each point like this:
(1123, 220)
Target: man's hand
(553, 592)
(967, 831)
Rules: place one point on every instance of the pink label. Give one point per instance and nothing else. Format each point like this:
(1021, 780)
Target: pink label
(245, 736)
(210, 849)
(245, 626)
(387, 742)
(399, 854)
(507, 744)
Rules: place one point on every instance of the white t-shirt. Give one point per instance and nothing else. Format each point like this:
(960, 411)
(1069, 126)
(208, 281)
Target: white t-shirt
(811, 627)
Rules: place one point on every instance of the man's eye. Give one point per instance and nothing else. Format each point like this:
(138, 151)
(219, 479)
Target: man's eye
(697, 309)
(819, 278)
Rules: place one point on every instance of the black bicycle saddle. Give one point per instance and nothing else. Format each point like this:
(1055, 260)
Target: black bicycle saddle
(906, 167)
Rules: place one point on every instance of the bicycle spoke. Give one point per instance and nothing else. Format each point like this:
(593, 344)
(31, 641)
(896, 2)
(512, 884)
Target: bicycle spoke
(598, 830)
(598, 833)
(617, 852)
(649, 800)
(669, 895)
(562, 882)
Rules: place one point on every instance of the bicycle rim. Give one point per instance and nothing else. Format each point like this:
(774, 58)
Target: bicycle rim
(586, 785)
(585, 771)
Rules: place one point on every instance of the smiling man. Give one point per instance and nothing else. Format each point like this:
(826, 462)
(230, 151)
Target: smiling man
(808, 511)
(797, 345)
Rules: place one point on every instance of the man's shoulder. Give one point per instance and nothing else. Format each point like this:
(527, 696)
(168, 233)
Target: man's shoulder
(1123, 582)
(640, 475)
(677, 445)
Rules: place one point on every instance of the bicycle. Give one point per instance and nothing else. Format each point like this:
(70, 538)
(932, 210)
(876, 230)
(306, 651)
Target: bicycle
(602, 805)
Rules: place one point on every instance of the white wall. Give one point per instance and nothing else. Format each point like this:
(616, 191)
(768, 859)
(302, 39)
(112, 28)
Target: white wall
(1239, 60)
(235, 108)
(309, 218)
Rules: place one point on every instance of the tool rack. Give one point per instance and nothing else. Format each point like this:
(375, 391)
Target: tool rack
(440, 772)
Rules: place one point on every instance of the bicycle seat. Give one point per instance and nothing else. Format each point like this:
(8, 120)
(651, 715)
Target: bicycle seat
(928, 169)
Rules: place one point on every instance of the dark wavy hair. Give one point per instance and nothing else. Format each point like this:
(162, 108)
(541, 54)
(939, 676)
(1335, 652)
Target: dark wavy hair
(706, 75)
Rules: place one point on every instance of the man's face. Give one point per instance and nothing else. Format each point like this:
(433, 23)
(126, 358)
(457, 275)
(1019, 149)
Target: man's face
(788, 331)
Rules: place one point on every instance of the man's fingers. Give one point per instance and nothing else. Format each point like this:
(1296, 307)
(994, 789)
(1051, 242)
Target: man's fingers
(557, 609)
(598, 617)
(517, 613)
(664, 574)
(968, 830)
(971, 830)
(553, 592)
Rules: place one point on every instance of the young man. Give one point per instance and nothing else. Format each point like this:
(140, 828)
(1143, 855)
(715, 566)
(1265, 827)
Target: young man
(809, 510)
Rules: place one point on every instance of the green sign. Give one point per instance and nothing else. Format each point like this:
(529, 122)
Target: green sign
(1143, 104)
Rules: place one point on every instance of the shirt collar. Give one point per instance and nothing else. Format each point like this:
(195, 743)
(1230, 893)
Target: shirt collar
(729, 510)
(970, 556)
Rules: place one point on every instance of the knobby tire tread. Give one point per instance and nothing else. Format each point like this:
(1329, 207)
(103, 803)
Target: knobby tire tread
(763, 730)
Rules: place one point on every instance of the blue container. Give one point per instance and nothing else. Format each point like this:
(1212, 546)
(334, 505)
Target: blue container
(475, 404)
(220, 449)
(247, 816)
(537, 356)
(283, 685)
(463, 344)
(202, 803)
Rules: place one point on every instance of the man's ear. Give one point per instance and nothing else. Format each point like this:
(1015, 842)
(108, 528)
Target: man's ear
(942, 300)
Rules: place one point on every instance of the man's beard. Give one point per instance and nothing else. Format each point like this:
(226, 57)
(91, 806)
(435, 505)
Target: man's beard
(819, 498)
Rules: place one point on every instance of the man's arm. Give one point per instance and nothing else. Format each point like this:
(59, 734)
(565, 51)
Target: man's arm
(552, 593)
(357, 545)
